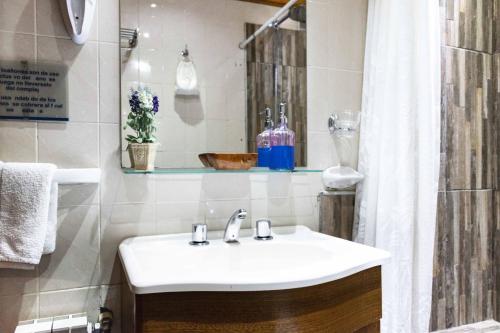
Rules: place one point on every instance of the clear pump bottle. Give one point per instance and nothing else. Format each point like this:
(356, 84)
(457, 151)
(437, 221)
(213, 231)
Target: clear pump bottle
(282, 144)
(264, 140)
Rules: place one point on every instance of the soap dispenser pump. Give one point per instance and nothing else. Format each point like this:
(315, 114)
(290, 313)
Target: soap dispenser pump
(264, 139)
(282, 144)
(78, 16)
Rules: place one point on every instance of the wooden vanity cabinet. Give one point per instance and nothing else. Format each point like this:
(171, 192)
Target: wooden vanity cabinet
(352, 304)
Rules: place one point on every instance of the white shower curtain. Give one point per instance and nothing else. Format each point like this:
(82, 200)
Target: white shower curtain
(399, 154)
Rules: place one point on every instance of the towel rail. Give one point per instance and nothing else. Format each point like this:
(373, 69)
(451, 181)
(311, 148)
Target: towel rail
(77, 176)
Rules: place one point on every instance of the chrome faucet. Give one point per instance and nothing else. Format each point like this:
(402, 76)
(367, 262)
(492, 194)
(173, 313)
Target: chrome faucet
(232, 232)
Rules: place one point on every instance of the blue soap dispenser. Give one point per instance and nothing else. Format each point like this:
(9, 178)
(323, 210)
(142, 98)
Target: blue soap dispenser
(264, 140)
(282, 144)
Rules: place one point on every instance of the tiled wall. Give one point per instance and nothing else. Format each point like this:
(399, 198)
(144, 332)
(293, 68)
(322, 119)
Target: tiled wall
(464, 287)
(336, 213)
(335, 55)
(83, 272)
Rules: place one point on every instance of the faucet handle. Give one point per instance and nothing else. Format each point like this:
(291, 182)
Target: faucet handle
(199, 235)
(263, 229)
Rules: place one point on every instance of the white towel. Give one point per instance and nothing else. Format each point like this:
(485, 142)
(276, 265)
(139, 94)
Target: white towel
(26, 230)
(50, 239)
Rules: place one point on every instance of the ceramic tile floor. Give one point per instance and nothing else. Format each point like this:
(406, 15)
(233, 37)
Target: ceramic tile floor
(489, 326)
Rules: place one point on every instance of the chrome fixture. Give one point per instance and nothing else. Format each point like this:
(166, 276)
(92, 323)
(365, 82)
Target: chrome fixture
(273, 22)
(263, 230)
(344, 124)
(297, 13)
(78, 16)
(199, 235)
(185, 52)
(130, 37)
(232, 232)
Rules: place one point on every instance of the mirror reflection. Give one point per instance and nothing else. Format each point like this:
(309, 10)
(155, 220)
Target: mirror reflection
(220, 90)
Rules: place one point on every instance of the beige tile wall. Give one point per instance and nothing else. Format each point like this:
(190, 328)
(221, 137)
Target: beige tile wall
(335, 52)
(83, 272)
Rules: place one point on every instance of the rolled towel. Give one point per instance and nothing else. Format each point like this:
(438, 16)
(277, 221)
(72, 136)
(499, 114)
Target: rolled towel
(50, 239)
(25, 202)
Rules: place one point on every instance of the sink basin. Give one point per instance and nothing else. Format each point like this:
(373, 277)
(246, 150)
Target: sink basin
(297, 257)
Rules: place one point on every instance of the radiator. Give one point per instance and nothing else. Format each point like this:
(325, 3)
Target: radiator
(76, 323)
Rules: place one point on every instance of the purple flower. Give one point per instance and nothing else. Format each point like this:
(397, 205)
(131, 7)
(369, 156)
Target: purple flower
(134, 101)
(156, 104)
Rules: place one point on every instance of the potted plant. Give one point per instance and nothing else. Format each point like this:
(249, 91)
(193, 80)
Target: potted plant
(142, 119)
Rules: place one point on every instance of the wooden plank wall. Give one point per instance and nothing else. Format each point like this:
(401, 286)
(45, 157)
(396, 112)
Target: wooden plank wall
(464, 287)
(336, 214)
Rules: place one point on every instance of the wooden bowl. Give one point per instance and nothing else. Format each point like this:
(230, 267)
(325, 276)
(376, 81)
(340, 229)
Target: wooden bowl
(229, 161)
(204, 159)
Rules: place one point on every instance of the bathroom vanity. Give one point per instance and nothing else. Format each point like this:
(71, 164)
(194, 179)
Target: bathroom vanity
(301, 281)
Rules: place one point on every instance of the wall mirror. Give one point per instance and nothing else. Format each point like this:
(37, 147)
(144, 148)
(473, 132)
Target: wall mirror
(223, 110)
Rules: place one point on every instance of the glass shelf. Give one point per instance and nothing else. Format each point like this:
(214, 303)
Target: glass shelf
(210, 170)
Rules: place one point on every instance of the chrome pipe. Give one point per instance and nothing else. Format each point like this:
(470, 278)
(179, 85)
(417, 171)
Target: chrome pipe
(269, 24)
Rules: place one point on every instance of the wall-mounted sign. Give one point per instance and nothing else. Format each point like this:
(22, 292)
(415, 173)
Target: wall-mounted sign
(33, 91)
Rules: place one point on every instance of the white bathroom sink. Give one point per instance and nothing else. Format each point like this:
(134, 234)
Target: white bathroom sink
(296, 257)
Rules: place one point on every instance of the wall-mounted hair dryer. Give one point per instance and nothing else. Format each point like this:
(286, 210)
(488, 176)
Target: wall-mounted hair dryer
(78, 16)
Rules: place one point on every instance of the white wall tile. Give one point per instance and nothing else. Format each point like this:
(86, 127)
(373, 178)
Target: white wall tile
(179, 188)
(75, 263)
(112, 234)
(17, 46)
(318, 103)
(78, 195)
(346, 33)
(71, 145)
(321, 153)
(345, 89)
(167, 159)
(117, 187)
(226, 186)
(18, 282)
(49, 19)
(57, 303)
(171, 131)
(335, 45)
(178, 217)
(83, 84)
(218, 212)
(17, 308)
(285, 185)
(17, 16)
(18, 141)
(109, 83)
(195, 141)
(109, 21)
(317, 34)
(130, 213)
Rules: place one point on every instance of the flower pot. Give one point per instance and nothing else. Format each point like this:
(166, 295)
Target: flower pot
(142, 155)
